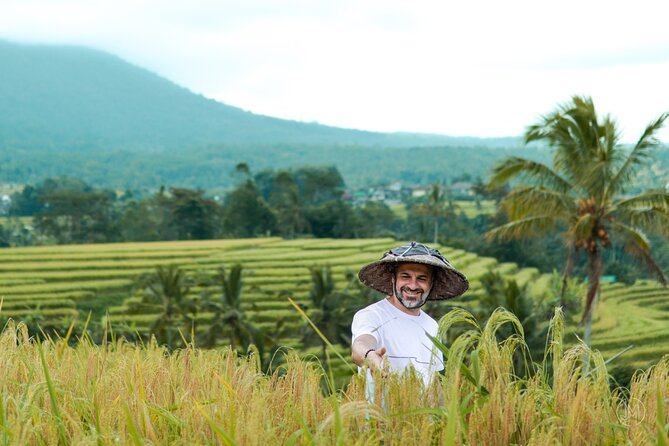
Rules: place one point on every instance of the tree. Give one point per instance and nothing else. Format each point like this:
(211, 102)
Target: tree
(374, 219)
(330, 310)
(432, 213)
(72, 216)
(586, 190)
(331, 219)
(319, 184)
(165, 292)
(229, 321)
(193, 216)
(246, 214)
(147, 220)
(285, 200)
(25, 203)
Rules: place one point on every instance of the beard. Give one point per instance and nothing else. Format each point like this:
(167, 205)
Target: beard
(399, 293)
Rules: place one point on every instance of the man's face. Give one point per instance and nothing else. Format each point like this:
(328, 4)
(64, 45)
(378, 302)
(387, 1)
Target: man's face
(412, 284)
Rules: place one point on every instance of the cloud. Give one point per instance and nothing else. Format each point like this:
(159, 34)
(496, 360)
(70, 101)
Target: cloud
(483, 68)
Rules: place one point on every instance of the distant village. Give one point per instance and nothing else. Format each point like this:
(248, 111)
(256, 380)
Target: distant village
(390, 194)
(396, 193)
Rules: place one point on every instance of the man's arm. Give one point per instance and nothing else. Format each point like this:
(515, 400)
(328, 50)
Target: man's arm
(362, 345)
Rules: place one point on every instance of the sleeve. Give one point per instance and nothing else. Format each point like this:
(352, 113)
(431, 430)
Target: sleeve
(365, 322)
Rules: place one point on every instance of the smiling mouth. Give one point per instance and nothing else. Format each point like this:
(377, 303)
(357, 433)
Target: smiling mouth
(412, 294)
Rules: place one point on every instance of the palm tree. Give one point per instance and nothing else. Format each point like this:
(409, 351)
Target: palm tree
(586, 191)
(166, 290)
(229, 321)
(330, 310)
(433, 211)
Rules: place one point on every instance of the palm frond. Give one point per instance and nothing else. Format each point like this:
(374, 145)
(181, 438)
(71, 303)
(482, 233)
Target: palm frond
(231, 285)
(575, 134)
(639, 154)
(650, 219)
(658, 198)
(637, 245)
(582, 227)
(536, 224)
(648, 137)
(530, 200)
(609, 137)
(513, 167)
(630, 235)
(595, 178)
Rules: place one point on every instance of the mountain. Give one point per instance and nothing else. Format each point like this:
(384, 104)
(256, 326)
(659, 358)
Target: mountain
(67, 110)
(66, 97)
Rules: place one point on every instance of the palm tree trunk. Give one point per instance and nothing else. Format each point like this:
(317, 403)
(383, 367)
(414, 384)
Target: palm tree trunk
(594, 275)
(587, 335)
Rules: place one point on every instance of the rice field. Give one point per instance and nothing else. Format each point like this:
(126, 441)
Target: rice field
(633, 317)
(119, 393)
(57, 284)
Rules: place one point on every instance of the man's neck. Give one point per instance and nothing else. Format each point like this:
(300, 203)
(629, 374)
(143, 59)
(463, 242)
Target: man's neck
(394, 301)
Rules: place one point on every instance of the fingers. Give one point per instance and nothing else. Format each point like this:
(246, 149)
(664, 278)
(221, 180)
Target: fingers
(376, 357)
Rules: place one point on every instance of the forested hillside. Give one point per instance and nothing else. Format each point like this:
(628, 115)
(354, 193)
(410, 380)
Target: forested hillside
(88, 114)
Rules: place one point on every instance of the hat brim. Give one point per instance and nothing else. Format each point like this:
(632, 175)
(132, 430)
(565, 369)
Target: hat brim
(447, 282)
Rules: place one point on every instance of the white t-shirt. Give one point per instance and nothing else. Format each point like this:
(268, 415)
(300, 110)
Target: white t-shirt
(403, 336)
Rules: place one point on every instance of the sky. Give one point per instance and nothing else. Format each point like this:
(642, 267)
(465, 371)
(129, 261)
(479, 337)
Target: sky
(467, 68)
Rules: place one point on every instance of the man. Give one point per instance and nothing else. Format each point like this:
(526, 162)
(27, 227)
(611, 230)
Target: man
(394, 329)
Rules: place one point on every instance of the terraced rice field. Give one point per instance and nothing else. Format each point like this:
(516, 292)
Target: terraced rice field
(633, 316)
(63, 283)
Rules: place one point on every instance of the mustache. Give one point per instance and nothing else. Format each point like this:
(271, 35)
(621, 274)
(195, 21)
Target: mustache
(412, 290)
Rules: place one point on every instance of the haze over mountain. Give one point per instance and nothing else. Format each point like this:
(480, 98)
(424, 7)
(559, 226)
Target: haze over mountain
(69, 97)
(68, 110)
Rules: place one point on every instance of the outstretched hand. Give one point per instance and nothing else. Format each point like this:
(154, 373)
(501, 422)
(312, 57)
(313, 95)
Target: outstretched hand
(375, 358)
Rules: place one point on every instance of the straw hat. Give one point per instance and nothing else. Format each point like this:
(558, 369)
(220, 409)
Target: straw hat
(447, 282)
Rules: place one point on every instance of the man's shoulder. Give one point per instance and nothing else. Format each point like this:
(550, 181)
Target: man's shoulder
(429, 320)
(376, 310)
(375, 307)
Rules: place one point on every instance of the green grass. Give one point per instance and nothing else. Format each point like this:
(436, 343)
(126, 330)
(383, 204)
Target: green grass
(471, 210)
(8, 220)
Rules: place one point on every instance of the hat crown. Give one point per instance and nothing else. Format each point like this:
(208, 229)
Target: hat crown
(415, 249)
(447, 283)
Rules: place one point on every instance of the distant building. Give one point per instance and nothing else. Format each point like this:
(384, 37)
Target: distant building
(462, 188)
(5, 204)
(420, 191)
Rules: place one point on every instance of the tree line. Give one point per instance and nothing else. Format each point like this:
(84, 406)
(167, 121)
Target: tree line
(290, 203)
